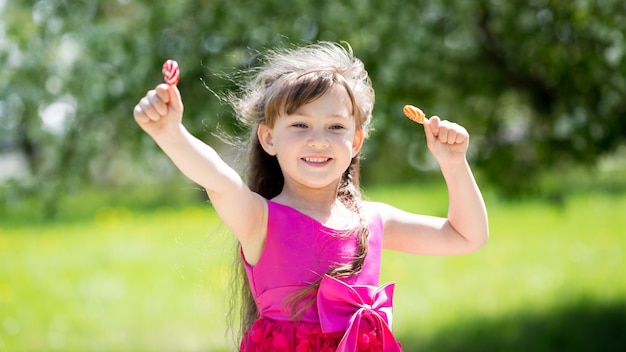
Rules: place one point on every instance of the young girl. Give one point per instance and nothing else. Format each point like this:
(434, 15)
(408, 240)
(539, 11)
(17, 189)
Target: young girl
(310, 246)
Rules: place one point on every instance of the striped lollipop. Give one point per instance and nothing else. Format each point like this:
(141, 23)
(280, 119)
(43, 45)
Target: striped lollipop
(171, 73)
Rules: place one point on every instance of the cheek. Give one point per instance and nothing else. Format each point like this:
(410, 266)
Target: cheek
(347, 145)
(288, 141)
(350, 139)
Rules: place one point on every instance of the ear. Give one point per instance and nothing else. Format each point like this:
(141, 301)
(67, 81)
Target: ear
(357, 142)
(265, 135)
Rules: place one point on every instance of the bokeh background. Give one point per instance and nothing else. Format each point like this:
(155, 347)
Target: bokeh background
(105, 246)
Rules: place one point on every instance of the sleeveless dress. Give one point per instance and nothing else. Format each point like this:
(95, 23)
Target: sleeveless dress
(351, 314)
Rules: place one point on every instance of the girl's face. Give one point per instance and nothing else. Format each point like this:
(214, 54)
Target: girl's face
(316, 143)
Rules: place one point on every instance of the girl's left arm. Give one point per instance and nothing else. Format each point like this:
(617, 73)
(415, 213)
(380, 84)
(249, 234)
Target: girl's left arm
(466, 227)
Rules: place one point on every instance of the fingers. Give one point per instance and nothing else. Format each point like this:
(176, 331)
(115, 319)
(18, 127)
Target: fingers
(154, 105)
(444, 131)
(139, 115)
(176, 101)
(429, 125)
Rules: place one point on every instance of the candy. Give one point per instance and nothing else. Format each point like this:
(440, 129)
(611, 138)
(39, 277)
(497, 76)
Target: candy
(414, 113)
(171, 73)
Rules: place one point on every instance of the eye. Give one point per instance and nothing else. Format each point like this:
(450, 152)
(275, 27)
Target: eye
(299, 125)
(337, 127)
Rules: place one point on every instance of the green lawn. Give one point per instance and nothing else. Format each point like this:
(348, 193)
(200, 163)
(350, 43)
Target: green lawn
(550, 278)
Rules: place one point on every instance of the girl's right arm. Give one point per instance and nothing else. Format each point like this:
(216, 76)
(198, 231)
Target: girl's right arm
(159, 114)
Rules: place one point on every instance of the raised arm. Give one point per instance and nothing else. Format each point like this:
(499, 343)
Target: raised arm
(466, 227)
(159, 114)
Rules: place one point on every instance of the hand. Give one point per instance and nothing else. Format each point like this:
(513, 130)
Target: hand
(446, 140)
(160, 110)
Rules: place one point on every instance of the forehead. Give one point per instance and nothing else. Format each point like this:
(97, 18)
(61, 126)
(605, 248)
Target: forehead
(295, 91)
(335, 102)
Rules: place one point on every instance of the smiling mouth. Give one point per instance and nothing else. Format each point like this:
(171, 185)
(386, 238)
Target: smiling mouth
(316, 160)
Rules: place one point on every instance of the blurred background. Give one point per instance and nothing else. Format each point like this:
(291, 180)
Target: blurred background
(105, 246)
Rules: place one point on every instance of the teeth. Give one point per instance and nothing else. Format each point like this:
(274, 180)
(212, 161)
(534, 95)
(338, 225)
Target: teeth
(316, 160)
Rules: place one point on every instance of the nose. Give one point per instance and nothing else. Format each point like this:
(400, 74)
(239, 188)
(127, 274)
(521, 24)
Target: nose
(318, 140)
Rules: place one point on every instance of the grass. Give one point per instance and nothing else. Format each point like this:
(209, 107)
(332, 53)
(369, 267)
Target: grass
(123, 278)
(541, 262)
(123, 281)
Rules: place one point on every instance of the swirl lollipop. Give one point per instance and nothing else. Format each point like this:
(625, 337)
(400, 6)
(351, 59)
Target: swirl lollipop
(171, 73)
(413, 113)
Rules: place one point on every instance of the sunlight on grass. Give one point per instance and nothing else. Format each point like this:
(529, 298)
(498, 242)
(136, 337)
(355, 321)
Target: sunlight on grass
(158, 281)
(538, 257)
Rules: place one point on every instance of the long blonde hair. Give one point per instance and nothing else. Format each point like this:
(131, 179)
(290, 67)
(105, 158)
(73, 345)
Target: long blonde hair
(286, 80)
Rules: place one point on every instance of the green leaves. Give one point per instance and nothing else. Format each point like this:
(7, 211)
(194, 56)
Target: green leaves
(538, 84)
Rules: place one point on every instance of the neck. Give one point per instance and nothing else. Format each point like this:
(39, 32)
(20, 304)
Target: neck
(320, 204)
(314, 199)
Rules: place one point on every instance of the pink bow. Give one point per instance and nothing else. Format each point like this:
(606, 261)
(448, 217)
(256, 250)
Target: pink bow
(343, 307)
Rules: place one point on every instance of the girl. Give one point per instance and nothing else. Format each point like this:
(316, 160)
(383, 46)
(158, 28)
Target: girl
(310, 246)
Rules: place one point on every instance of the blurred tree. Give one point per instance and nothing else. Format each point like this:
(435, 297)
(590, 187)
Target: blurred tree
(540, 84)
(546, 82)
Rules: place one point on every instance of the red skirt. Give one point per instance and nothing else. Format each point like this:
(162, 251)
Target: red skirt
(289, 336)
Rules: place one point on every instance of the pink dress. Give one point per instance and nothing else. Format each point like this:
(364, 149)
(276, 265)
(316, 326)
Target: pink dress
(351, 314)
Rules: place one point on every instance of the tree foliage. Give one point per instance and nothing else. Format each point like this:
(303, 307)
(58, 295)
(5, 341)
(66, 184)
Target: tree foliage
(540, 84)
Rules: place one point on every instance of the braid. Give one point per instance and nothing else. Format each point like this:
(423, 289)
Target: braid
(350, 195)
